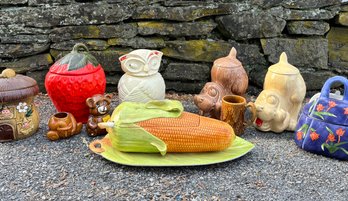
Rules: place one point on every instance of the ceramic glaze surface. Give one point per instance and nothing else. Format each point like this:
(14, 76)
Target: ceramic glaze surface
(99, 108)
(74, 78)
(209, 100)
(19, 117)
(141, 82)
(323, 123)
(279, 104)
(227, 77)
(63, 125)
(229, 73)
(233, 112)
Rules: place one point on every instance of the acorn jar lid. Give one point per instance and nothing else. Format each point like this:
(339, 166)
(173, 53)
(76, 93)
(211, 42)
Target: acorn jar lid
(14, 87)
(230, 61)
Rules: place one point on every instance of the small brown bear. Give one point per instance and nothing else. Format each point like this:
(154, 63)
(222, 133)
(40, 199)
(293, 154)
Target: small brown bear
(99, 107)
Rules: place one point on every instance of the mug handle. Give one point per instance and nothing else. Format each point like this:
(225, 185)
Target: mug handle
(252, 107)
(325, 91)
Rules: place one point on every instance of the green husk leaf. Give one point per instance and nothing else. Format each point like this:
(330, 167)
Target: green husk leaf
(133, 138)
(131, 112)
(128, 137)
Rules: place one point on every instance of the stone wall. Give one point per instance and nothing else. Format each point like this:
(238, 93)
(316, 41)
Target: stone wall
(191, 34)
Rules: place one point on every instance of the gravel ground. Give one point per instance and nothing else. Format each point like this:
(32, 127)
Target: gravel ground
(38, 169)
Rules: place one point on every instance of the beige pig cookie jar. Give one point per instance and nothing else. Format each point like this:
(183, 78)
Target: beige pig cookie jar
(279, 104)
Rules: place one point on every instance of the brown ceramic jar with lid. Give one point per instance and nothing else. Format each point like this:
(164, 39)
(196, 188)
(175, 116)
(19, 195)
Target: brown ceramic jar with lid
(229, 73)
(19, 117)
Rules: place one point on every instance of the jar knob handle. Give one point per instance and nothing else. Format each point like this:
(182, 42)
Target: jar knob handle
(7, 73)
(80, 46)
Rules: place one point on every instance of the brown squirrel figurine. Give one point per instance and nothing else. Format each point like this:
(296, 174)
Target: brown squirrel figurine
(63, 125)
(99, 107)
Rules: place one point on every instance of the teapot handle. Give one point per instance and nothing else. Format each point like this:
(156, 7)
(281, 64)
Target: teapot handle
(325, 91)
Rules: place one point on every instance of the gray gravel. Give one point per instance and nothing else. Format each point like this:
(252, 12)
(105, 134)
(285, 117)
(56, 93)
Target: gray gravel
(38, 169)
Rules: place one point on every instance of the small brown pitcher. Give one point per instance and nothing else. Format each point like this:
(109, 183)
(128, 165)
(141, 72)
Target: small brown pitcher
(232, 112)
(63, 125)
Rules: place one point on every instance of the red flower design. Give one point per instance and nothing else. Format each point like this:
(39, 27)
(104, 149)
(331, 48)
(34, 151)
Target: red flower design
(340, 132)
(320, 107)
(346, 110)
(331, 137)
(314, 136)
(332, 104)
(299, 135)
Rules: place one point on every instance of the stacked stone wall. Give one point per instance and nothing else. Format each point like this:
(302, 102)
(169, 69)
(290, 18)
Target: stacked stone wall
(191, 34)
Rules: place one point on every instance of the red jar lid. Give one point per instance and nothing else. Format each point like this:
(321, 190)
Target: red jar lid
(78, 62)
(14, 87)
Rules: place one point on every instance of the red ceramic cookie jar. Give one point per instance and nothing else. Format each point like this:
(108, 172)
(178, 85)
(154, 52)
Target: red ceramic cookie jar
(74, 78)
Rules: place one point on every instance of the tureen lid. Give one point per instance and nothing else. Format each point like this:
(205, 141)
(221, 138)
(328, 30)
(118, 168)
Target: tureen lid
(14, 87)
(283, 67)
(230, 61)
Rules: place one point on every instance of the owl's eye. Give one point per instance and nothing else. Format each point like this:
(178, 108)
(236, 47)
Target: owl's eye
(154, 62)
(134, 65)
(212, 92)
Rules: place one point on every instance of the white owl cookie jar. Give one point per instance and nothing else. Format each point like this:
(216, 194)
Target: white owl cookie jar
(141, 82)
(279, 104)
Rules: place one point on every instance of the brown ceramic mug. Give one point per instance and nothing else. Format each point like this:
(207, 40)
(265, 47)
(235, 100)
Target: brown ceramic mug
(233, 108)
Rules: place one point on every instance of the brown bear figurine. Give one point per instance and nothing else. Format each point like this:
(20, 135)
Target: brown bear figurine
(99, 107)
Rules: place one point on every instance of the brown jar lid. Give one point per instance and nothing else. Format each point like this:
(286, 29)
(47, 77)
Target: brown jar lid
(15, 87)
(230, 61)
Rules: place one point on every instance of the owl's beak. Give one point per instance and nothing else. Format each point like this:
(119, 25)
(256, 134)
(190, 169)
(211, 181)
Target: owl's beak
(146, 68)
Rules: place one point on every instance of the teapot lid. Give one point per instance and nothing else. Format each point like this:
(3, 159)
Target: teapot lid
(14, 87)
(230, 61)
(283, 67)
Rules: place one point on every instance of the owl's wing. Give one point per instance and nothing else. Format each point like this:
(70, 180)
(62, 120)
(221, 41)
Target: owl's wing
(152, 90)
(144, 91)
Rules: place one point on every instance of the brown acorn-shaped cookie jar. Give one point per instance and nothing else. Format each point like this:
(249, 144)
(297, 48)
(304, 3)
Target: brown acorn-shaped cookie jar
(19, 117)
(227, 77)
(230, 74)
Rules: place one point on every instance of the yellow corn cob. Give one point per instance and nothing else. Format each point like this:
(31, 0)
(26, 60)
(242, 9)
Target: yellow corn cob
(190, 133)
